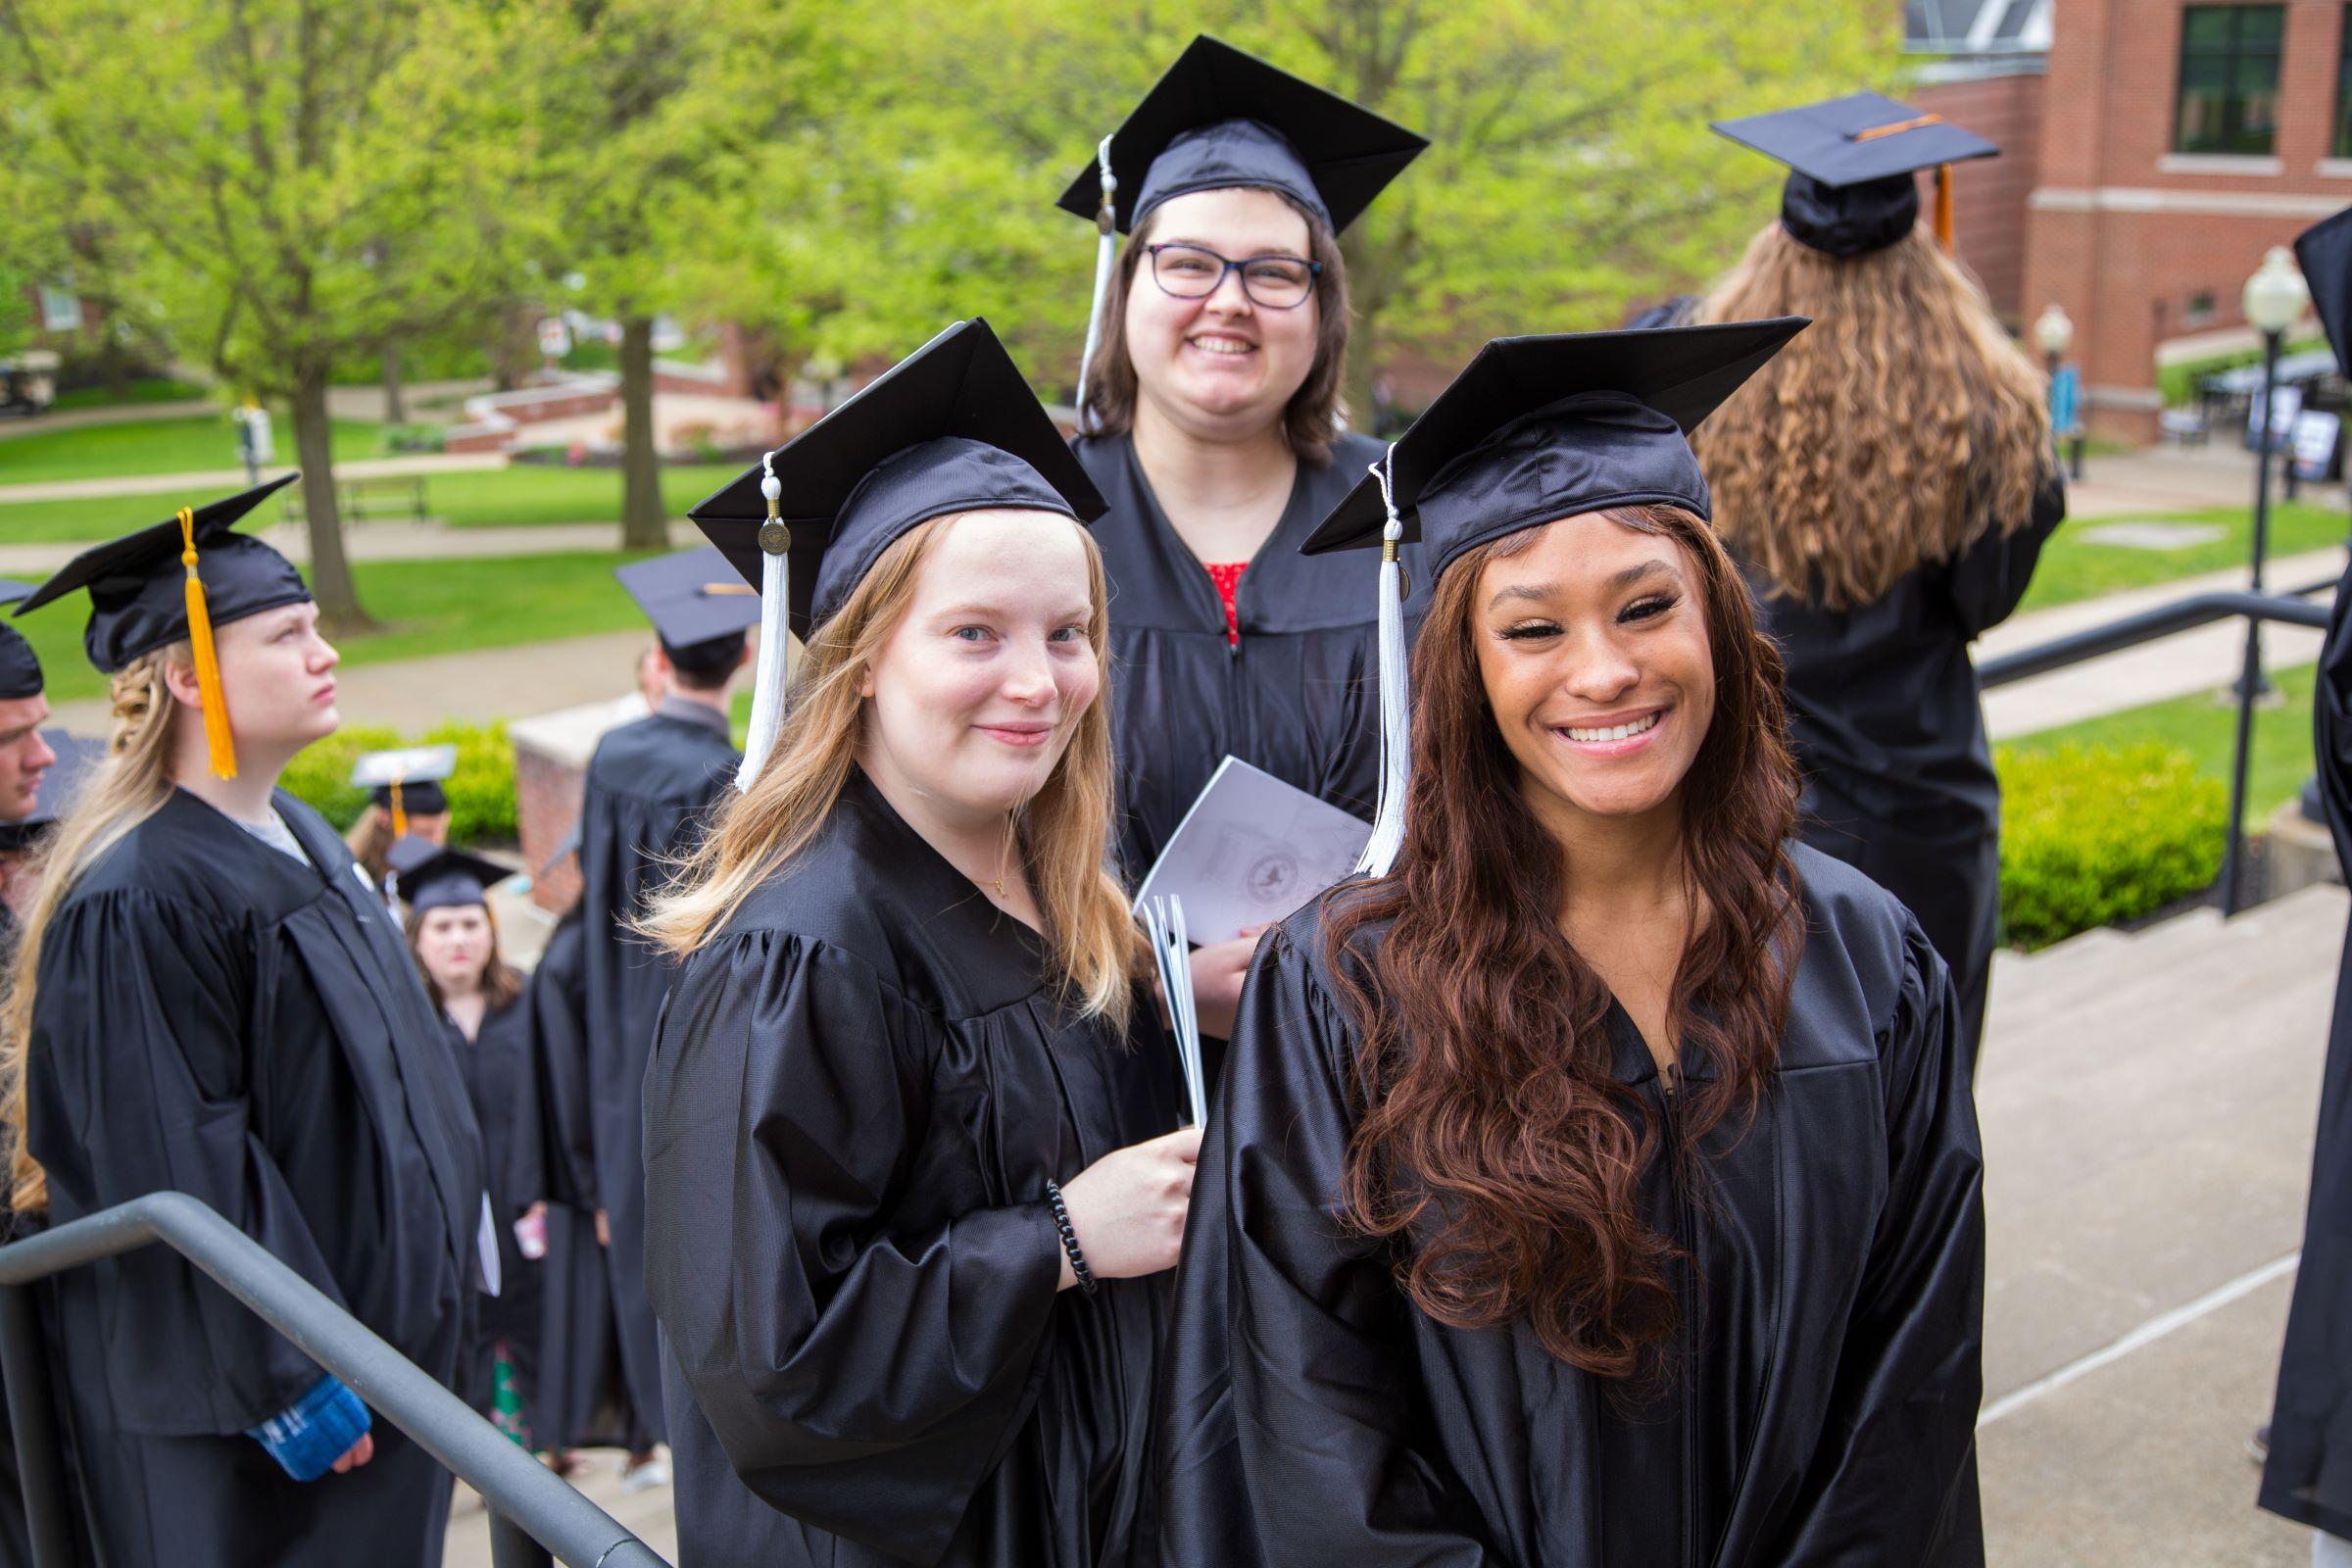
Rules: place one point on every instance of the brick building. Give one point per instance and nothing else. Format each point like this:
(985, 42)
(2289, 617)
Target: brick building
(2178, 142)
(1980, 64)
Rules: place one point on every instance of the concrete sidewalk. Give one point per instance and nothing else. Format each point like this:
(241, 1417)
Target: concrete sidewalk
(162, 484)
(2163, 479)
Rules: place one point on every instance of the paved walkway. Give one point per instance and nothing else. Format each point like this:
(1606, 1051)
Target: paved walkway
(385, 540)
(342, 402)
(157, 485)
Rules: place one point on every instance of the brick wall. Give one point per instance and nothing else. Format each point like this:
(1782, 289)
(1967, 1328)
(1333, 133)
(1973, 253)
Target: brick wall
(1989, 194)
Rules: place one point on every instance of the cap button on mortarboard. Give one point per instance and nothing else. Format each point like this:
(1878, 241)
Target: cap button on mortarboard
(774, 537)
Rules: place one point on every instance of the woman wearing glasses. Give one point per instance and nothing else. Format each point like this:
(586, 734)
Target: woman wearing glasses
(1211, 424)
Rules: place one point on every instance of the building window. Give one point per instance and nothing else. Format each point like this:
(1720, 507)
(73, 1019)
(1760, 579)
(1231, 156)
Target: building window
(61, 308)
(2228, 79)
(2200, 310)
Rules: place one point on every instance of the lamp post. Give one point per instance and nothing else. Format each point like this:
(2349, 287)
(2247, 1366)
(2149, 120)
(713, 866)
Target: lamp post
(2055, 333)
(2275, 296)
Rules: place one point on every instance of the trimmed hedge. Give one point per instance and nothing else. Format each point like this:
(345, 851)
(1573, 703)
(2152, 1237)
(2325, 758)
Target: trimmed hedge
(2094, 835)
(482, 793)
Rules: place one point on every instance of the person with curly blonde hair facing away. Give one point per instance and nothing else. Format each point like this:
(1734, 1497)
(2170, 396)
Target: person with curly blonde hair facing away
(1886, 484)
(209, 999)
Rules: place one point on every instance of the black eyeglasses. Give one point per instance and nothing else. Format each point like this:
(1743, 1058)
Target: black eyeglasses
(1193, 272)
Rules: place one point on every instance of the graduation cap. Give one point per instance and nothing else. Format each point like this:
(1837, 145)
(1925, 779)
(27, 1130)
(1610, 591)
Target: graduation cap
(1850, 189)
(432, 878)
(1219, 119)
(952, 428)
(2325, 252)
(19, 667)
(174, 581)
(692, 596)
(407, 781)
(1534, 430)
(76, 761)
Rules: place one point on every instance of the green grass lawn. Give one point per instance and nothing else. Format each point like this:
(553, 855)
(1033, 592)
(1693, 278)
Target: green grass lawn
(2074, 569)
(146, 389)
(2205, 727)
(184, 445)
(426, 607)
(492, 497)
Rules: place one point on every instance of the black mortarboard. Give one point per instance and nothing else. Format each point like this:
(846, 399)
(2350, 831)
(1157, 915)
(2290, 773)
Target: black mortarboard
(138, 583)
(76, 761)
(691, 595)
(407, 781)
(952, 428)
(2325, 252)
(435, 878)
(1220, 117)
(1850, 189)
(1534, 430)
(19, 666)
(1539, 428)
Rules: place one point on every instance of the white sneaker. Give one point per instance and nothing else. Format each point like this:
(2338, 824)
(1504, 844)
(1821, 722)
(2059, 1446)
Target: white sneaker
(643, 1477)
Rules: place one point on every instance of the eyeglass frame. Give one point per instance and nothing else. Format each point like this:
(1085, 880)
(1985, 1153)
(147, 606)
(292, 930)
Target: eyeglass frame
(1314, 274)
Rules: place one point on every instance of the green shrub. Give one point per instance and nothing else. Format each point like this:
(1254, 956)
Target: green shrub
(482, 793)
(2094, 835)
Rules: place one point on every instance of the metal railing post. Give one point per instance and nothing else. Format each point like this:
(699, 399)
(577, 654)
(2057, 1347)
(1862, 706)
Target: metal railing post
(32, 1423)
(510, 1545)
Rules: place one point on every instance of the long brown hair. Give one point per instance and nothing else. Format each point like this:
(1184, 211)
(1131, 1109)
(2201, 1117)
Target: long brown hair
(1061, 832)
(1497, 1151)
(502, 982)
(1893, 432)
(1310, 421)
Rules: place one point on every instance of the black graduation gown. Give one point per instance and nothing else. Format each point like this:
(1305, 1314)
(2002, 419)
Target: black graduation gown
(216, 1018)
(861, 1086)
(1297, 696)
(1889, 729)
(581, 1399)
(497, 1067)
(2309, 1474)
(1823, 1396)
(650, 786)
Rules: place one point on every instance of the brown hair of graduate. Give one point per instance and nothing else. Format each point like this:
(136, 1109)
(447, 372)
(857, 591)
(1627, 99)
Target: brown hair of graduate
(1496, 1152)
(502, 982)
(1894, 431)
(1060, 832)
(130, 786)
(1310, 421)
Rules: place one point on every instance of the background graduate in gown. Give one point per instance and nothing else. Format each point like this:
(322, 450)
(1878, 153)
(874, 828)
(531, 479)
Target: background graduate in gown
(1887, 485)
(209, 998)
(486, 1015)
(1211, 424)
(24, 753)
(2308, 1474)
(650, 783)
(1599, 1183)
(907, 1009)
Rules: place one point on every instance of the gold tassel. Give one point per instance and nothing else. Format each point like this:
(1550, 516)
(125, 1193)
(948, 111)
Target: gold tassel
(217, 737)
(400, 816)
(1943, 207)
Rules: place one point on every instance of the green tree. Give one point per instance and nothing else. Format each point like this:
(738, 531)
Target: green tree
(279, 182)
(656, 113)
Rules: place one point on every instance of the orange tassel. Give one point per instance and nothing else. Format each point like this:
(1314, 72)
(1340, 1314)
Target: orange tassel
(400, 817)
(1943, 207)
(217, 737)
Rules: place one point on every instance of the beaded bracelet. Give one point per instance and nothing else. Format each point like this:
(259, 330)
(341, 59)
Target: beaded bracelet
(1070, 1240)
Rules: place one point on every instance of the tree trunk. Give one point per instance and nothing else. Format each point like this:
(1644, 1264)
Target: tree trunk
(396, 410)
(644, 526)
(331, 569)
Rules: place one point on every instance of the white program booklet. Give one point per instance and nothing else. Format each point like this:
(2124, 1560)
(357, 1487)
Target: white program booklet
(1252, 849)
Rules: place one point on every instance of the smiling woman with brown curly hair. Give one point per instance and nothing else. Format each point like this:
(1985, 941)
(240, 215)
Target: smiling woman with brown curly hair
(1887, 485)
(1597, 1182)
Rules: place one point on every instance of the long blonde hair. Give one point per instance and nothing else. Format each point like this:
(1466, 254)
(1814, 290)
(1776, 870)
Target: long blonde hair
(131, 785)
(1894, 431)
(1064, 831)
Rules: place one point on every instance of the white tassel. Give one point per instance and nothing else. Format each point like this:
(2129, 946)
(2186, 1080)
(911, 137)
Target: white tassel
(775, 629)
(1106, 251)
(1395, 709)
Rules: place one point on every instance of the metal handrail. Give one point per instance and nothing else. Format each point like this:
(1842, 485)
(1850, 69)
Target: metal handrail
(533, 1510)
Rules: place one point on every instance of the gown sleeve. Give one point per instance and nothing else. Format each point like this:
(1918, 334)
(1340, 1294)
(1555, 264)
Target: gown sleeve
(861, 1376)
(139, 1080)
(559, 1063)
(1991, 577)
(1894, 1476)
(1287, 1430)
